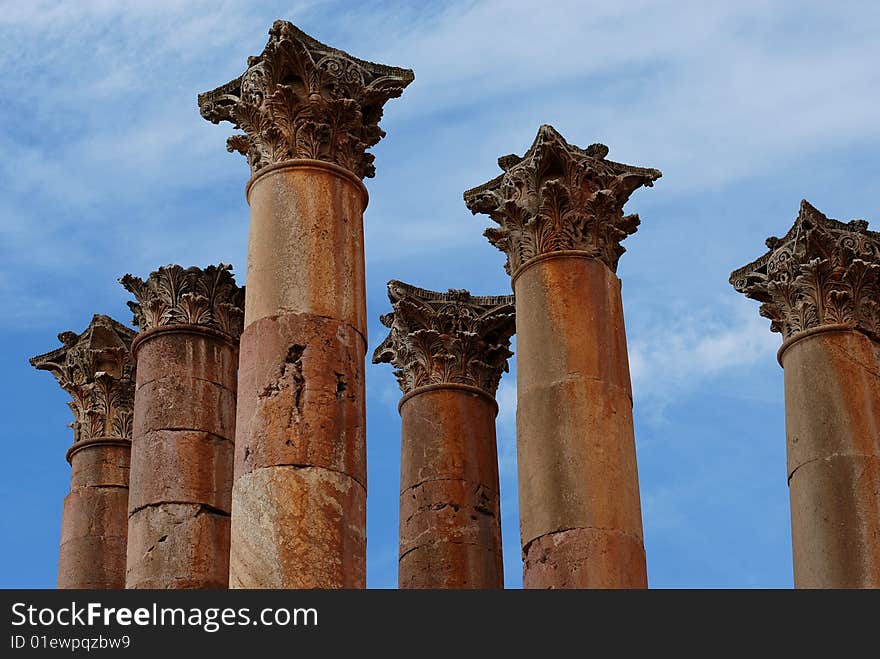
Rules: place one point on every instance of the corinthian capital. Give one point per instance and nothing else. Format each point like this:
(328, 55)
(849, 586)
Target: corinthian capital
(302, 99)
(559, 197)
(192, 296)
(96, 369)
(823, 272)
(452, 337)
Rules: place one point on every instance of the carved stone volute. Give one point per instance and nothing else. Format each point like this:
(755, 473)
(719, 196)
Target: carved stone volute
(302, 99)
(559, 197)
(173, 295)
(97, 370)
(443, 338)
(822, 272)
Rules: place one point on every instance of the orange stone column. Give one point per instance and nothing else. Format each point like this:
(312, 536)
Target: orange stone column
(309, 112)
(820, 287)
(560, 211)
(184, 426)
(96, 369)
(448, 351)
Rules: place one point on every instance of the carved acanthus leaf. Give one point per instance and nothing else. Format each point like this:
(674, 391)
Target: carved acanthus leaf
(559, 197)
(302, 99)
(192, 296)
(97, 370)
(823, 272)
(452, 337)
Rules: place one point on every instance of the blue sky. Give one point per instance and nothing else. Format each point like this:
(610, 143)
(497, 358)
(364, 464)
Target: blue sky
(746, 107)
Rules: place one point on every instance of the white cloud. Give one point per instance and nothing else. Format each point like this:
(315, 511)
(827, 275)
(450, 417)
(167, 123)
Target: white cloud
(677, 354)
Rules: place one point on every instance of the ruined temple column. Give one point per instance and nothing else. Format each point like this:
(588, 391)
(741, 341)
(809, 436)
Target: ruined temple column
(820, 287)
(184, 426)
(448, 351)
(560, 211)
(308, 112)
(96, 369)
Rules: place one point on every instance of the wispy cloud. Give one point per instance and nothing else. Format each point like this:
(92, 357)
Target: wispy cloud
(676, 355)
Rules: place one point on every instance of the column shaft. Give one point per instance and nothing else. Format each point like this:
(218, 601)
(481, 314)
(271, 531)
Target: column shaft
(182, 457)
(299, 498)
(450, 530)
(578, 482)
(832, 417)
(94, 523)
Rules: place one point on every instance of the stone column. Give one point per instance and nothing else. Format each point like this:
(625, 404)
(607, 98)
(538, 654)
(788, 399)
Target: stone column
(820, 288)
(184, 426)
(448, 351)
(308, 112)
(560, 211)
(96, 369)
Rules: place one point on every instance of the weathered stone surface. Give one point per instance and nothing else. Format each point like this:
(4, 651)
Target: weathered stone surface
(575, 442)
(182, 465)
(448, 350)
(302, 99)
(585, 558)
(820, 287)
(452, 511)
(100, 463)
(302, 400)
(94, 522)
(96, 369)
(452, 337)
(212, 361)
(448, 434)
(449, 565)
(183, 444)
(832, 396)
(298, 527)
(94, 527)
(180, 402)
(177, 545)
(822, 272)
(306, 244)
(560, 197)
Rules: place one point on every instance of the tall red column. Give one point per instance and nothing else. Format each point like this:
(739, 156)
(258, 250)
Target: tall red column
(184, 426)
(96, 369)
(560, 211)
(448, 351)
(820, 287)
(308, 112)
